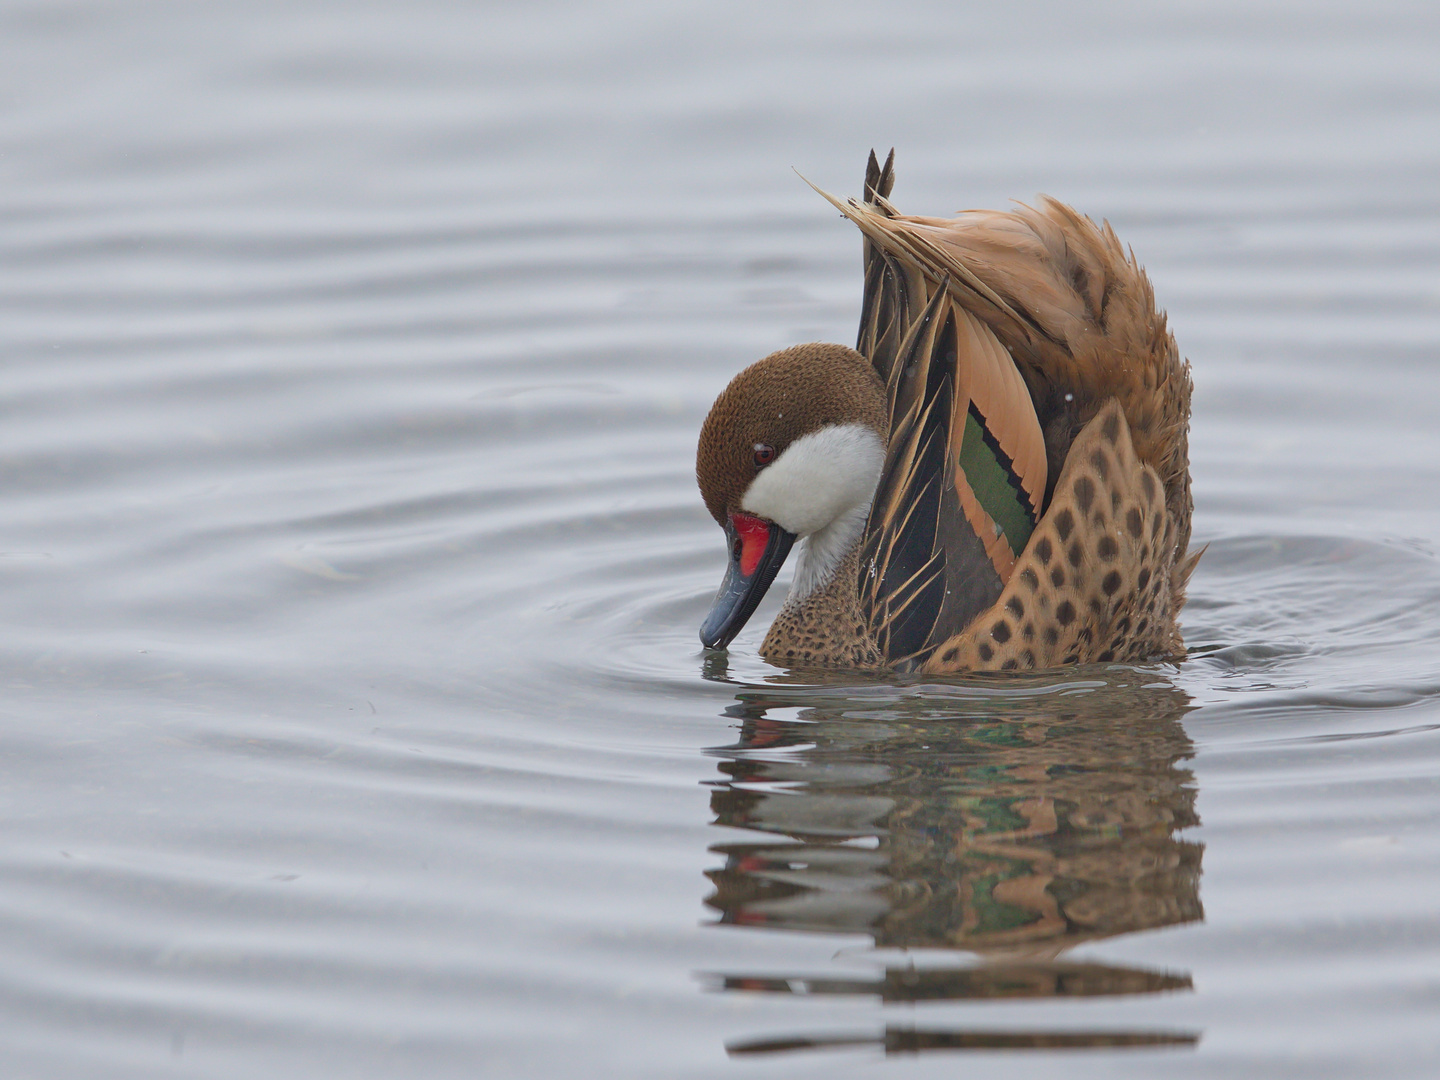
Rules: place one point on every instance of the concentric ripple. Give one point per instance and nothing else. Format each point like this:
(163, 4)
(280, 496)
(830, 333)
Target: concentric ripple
(355, 718)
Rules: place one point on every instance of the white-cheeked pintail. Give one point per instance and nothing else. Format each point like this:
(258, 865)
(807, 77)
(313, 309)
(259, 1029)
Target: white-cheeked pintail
(995, 478)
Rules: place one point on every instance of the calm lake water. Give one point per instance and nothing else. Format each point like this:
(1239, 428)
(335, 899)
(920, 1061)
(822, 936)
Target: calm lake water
(354, 721)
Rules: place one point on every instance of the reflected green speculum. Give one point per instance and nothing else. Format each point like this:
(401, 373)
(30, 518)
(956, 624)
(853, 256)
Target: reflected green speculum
(1012, 828)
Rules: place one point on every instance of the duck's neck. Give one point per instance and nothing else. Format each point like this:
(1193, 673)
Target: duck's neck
(821, 621)
(817, 570)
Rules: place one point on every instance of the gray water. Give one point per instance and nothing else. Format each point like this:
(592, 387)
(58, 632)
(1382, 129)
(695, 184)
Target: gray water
(354, 722)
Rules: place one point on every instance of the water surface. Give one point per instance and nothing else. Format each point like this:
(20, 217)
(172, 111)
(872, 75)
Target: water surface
(354, 718)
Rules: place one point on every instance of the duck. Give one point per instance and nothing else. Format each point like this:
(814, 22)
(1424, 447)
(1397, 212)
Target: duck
(996, 477)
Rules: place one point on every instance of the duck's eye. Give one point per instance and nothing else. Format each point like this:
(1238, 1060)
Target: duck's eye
(764, 454)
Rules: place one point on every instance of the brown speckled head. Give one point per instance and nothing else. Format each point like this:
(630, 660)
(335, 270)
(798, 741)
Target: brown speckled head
(775, 401)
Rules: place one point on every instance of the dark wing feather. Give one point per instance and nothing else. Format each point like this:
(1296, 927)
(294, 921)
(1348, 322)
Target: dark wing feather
(925, 572)
(965, 467)
(895, 291)
(894, 297)
(879, 181)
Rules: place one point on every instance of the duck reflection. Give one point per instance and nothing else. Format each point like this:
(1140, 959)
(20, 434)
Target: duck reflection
(1011, 821)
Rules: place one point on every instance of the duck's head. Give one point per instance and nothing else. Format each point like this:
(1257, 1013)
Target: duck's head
(792, 449)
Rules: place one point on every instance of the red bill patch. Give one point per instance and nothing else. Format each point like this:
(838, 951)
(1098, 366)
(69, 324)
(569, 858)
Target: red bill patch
(754, 535)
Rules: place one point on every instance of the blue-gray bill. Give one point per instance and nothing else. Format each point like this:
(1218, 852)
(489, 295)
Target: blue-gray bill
(757, 551)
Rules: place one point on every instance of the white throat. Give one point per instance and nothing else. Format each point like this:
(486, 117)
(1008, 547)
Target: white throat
(820, 489)
(824, 551)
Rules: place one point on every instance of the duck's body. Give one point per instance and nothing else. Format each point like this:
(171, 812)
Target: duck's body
(997, 479)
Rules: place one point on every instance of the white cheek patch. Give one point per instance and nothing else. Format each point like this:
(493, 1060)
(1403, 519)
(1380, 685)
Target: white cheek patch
(818, 478)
